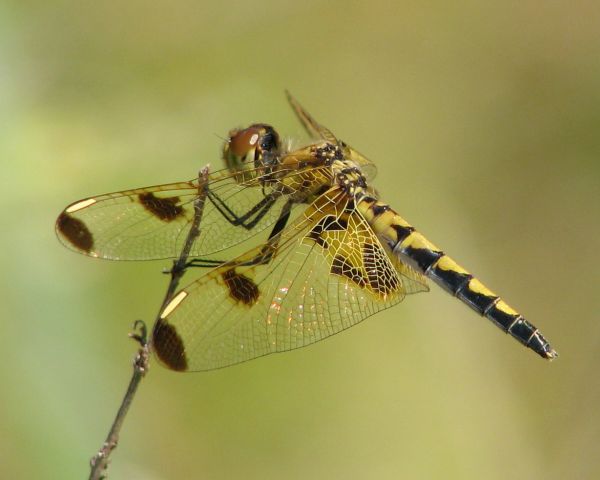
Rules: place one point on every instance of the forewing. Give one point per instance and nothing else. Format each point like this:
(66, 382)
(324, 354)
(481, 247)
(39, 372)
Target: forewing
(317, 131)
(312, 127)
(153, 222)
(328, 273)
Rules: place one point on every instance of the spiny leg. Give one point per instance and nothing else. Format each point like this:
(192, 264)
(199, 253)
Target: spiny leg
(266, 253)
(260, 210)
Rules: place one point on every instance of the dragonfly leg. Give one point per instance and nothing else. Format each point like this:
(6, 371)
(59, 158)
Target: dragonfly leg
(266, 253)
(204, 263)
(246, 221)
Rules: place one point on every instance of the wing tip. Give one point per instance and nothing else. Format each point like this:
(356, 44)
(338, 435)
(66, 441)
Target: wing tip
(168, 346)
(74, 233)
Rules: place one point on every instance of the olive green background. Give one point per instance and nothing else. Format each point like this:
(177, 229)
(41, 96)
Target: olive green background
(483, 118)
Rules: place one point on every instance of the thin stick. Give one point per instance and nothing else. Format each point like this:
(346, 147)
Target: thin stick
(99, 462)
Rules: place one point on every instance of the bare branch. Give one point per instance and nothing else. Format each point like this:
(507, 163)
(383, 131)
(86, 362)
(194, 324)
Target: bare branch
(99, 462)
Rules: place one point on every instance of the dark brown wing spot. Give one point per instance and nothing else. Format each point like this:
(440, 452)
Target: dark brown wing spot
(382, 277)
(168, 346)
(241, 288)
(341, 266)
(164, 208)
(75, 231)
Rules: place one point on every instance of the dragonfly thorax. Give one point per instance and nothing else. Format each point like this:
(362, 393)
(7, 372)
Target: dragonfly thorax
(349, 177)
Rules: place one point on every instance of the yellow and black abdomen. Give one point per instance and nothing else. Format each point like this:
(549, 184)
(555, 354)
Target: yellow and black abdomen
(414, 249)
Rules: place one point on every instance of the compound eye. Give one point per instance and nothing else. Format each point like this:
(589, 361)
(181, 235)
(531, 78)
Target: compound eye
(243, 142)
(269, 141)
(250, 148)
(240, 149)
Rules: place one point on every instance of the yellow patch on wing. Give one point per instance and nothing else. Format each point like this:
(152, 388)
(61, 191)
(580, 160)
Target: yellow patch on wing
(328, 272)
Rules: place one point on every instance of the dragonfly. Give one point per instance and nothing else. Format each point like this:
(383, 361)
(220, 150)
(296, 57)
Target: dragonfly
(324, 252)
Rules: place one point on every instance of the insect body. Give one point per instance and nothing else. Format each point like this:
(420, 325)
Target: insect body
(332, 253)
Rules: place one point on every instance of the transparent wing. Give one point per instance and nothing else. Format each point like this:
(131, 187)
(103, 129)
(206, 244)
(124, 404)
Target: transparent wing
(312, 127)
(153, 222)
(325, 273)
(317, 131)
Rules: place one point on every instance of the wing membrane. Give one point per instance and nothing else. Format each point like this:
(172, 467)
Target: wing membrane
(317, 131)
(327, 272)
(312, 127)
(153, 222)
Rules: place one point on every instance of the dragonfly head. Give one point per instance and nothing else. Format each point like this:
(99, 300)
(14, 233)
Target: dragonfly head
(248, 149)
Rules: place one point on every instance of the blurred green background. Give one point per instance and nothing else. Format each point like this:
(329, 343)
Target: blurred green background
(484, 120)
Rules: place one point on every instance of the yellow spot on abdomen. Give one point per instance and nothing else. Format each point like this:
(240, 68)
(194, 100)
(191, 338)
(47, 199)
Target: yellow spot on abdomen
(478, 287)
(416, 240)
(446, 263)
(502, 306)
(383, 221)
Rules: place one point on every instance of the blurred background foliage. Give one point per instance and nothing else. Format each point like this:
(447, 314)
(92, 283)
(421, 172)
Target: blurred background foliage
(483, 118)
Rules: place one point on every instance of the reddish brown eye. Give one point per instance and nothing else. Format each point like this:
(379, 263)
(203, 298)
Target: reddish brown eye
(243, 141)
(240, 150)
(249, 149)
